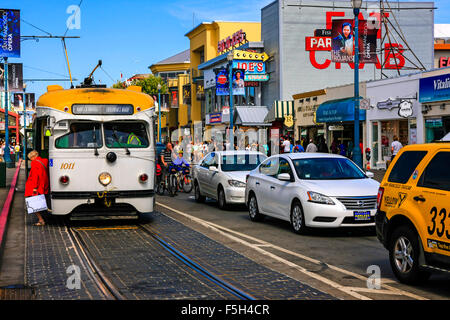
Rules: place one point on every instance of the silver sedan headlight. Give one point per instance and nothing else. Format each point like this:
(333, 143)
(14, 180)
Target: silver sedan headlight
(319, 198)
(236, 183)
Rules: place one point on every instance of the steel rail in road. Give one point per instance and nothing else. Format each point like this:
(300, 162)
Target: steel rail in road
(261, 247)
(198, 268)
(100, 279)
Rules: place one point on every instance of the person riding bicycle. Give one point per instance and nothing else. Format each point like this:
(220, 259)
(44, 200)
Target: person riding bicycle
(180, 161)
(166, 160)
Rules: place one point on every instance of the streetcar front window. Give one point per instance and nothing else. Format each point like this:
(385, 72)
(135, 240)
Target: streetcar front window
(82, 135)
(125, 135)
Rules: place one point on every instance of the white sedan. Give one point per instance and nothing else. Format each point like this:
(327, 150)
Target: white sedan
(312, 190)
(221, 175)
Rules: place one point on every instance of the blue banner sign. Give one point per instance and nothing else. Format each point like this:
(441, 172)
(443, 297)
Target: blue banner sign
(9, 33)
(434, 88)
(222, 85)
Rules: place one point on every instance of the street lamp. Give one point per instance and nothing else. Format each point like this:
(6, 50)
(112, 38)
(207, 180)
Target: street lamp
(230, 56)
(357, 155)
(159, 112)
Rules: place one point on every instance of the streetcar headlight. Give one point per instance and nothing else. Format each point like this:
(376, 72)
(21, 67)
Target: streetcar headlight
(104, 178)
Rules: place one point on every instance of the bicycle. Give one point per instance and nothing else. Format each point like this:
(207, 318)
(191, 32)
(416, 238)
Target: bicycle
(184, 179)
(169, 183)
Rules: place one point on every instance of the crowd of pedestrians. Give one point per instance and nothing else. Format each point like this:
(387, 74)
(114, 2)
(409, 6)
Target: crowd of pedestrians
(14, 149)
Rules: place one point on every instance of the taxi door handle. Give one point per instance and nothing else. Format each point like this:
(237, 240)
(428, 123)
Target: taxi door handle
(419, 198)
(272, 187)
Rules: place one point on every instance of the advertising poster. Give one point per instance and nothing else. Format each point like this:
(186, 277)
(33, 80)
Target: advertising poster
(30, 102)
(238, 82)
(15, 77)
(222, 85)
(18, 102)
(343, 42)
(9, 33)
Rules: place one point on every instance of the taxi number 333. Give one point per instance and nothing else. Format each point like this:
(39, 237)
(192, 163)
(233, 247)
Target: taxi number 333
(67, 166)
(438, 222)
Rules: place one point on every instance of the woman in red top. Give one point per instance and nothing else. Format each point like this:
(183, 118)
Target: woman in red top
(37, 182)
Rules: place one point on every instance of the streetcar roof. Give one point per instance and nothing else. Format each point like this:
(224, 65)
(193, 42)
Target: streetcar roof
(59, 98)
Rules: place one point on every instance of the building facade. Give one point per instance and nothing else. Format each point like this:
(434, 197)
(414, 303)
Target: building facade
(301, 56)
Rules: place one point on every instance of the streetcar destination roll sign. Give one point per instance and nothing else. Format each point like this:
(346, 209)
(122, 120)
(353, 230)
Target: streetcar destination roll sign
(103, 109)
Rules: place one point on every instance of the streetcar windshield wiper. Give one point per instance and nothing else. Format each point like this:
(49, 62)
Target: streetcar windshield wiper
(94, 138)
(120, 144)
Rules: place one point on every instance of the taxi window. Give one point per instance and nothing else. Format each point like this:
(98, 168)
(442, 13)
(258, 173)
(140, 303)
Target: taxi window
(405, 166)
(437, 175)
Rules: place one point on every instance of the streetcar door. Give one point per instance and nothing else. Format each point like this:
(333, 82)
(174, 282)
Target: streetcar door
(41, 137)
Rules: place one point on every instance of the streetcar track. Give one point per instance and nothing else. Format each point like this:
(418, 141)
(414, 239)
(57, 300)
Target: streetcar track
(103, 283)
(263, 246)
(196, 267)
(106, 286)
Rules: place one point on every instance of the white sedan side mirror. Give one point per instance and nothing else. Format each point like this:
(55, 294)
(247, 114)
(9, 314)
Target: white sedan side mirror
(213, 169)
(370, 174)
(284, 177)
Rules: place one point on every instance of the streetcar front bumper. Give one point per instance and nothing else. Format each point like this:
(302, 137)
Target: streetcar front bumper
(107, 202)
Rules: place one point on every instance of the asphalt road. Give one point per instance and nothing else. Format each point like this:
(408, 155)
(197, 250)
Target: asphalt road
(344, 263)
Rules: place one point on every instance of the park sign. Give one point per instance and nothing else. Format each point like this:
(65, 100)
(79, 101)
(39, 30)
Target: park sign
(9, 33)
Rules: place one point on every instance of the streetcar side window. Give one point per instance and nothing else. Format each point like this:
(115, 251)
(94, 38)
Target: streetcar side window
(125, 135)
(82, 135)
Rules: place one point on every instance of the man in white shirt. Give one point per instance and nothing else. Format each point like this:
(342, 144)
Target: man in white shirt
(287, 146)
(311, 146)
(395, 147)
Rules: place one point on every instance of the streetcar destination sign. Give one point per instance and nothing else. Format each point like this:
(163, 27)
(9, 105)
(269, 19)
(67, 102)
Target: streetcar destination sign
(103, 109)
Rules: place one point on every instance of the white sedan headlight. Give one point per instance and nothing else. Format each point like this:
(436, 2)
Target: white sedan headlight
(319, 198)
(236, 183)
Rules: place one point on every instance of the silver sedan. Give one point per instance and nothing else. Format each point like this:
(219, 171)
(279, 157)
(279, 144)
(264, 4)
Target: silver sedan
(312, 190)
(221, 175)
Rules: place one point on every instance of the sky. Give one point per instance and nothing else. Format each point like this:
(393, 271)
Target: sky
(128, 35)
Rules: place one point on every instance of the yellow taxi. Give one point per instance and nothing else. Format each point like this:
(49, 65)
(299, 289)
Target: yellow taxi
(413, 211)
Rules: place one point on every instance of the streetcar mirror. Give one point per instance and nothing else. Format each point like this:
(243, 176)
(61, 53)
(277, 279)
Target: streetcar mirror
(51, 122)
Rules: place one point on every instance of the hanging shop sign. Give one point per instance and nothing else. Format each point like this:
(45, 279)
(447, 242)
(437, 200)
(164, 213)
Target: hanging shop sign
(174, 99)
(239, 37)
(336, 128)
(289, 120)
(200, 95)
(187, 94)
(405, 107)
(254, 70)
(9, 33)
(434, 88)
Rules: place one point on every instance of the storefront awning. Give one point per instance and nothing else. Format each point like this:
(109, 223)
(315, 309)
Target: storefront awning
(338, 111)
(251, 116)
(279, 110)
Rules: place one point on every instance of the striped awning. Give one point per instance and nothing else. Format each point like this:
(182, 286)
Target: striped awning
(279, 110)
